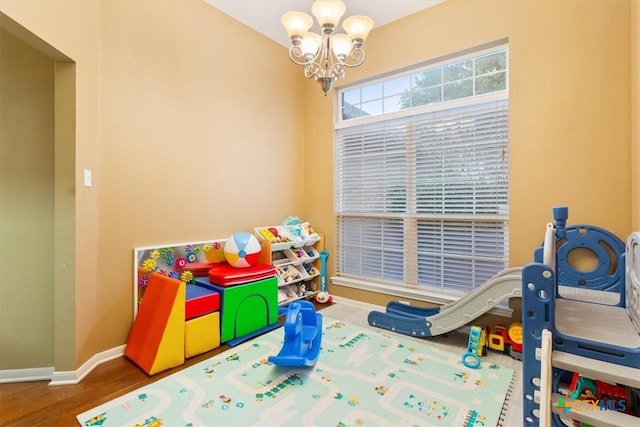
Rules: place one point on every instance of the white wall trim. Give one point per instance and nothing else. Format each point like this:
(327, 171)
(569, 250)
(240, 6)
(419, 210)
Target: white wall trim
(23, 375)
(60, 377)
(74, 377)
(355, 303)
(398, 291)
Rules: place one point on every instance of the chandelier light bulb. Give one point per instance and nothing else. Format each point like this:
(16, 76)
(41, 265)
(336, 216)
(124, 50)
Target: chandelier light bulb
(328, 12)
(310, 44)
(341, 45)
(358, 27)
(296, 23)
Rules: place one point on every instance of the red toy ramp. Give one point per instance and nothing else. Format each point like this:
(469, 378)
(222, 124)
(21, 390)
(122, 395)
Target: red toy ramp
(156, 339)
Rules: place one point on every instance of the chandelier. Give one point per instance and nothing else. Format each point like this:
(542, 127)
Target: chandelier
(325, 56)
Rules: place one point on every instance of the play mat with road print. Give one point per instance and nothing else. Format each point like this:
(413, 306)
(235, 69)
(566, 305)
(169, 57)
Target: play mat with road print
(364, 377)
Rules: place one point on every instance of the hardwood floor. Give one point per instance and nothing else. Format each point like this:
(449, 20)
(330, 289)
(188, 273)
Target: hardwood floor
(36, 403)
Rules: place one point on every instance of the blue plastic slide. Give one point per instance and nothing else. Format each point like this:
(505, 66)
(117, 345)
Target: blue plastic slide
(401, 309)
(302, 336)
(431, 321)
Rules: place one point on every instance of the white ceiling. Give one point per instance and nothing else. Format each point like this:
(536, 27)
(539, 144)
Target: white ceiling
(264, 15)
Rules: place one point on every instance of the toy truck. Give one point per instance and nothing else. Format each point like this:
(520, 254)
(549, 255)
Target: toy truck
(508, 341)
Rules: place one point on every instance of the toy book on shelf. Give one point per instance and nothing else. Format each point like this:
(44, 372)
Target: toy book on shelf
(292, 247)
(581, 316)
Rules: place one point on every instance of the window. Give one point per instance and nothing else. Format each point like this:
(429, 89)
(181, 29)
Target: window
(422, 178)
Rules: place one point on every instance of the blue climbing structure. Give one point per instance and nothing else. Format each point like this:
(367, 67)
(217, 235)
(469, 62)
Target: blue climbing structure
(582, 318)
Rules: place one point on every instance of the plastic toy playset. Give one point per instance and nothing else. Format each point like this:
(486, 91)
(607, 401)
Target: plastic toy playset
(581, 316)
(193, 297)
(302, 336)
(426, 322)
(581, 319)
(497, 337)
(190, 298)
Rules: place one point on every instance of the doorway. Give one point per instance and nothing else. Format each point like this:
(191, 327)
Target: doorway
(37, 169)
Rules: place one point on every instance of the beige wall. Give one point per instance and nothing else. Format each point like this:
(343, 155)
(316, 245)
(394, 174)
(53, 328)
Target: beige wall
(635, 114)
(200, 137)
(192, 132)
(191, 138)
(569, 108)
(26, 205)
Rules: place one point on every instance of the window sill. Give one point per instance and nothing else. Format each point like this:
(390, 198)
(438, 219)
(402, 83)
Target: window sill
(418, 294)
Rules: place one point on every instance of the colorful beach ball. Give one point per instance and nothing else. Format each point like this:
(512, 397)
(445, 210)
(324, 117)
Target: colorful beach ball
(242, 250)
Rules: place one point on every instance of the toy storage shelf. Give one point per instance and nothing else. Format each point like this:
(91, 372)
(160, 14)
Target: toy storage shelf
(596, 369)
(297, 262)
(600, 370)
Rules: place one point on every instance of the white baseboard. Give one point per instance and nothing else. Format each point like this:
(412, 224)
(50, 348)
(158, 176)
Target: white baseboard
(23, 375)
(356, 303)
(74, 377)
(60, 377)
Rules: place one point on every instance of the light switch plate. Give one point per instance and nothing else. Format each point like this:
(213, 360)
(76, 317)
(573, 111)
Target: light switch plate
(87, 177)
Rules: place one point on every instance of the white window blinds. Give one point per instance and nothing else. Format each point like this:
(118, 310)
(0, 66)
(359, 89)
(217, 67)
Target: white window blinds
(422, 200)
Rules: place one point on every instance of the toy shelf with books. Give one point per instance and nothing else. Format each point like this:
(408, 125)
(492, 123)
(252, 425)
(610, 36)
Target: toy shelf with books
(294, 250)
